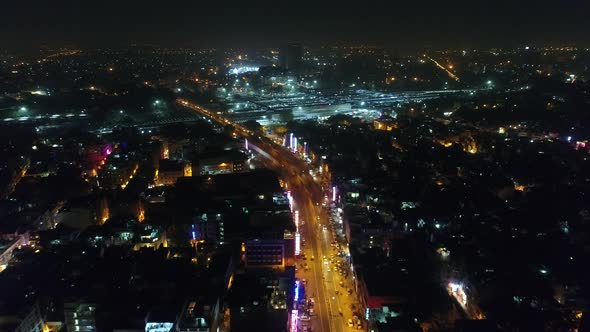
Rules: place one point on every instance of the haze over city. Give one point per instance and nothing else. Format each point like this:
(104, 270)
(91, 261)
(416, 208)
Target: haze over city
(402, 25)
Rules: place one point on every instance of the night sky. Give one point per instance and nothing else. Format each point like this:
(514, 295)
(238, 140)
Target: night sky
(398, 24)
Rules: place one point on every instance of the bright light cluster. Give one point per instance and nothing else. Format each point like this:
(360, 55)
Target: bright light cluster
(243, 69)
(294, 315)
(458, 292)
(297, 243)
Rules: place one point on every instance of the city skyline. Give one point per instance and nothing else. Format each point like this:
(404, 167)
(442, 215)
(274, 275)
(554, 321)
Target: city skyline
(294, 167)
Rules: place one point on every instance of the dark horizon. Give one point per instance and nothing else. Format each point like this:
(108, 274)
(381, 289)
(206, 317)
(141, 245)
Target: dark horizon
(401, 26)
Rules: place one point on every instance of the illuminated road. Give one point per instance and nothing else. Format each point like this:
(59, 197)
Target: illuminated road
(323, 282)
(332, 304)
(451, 75)
(306, 193)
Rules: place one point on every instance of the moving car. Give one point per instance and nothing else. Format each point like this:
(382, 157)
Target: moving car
(307, 319)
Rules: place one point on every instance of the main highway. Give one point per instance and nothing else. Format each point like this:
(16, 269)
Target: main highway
(332, 308)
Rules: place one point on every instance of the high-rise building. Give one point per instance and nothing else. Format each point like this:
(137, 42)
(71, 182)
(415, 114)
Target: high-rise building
(80, 316)
(199, 315)
(291, 57)
(33, 321)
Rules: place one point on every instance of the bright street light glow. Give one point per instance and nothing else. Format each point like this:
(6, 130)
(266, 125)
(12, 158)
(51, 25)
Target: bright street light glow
(297, 244)
(458, 293)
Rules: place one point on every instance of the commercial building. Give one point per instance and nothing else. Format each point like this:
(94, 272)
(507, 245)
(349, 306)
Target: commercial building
(385, 124)
(209, 226)
(242, 189)
(261, 299)
(198, 315)
(120, 231)
(248, 208)
(271, 241)
(170, 170)
(174, 148)
(80, 316)
(222, 162)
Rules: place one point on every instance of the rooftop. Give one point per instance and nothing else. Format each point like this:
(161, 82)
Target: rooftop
(232, 185)
(169, 165)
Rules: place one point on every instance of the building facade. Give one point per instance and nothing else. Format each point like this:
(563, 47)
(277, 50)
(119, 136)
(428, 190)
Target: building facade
(80, 316)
